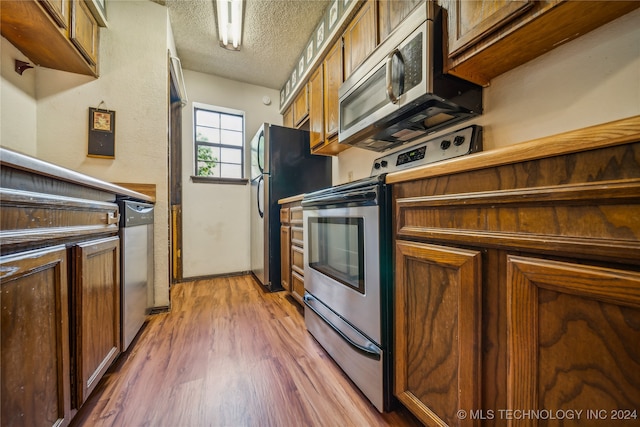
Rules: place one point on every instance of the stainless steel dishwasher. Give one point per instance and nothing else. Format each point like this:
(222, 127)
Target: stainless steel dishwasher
(136, 268)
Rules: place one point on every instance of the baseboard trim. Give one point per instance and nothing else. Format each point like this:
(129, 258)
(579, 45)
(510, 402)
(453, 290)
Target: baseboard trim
(213, 276)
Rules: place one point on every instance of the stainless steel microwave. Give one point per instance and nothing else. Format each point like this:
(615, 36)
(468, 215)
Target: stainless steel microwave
(400, 92)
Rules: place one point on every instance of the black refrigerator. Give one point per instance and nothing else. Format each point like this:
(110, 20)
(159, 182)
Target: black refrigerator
(281, 166)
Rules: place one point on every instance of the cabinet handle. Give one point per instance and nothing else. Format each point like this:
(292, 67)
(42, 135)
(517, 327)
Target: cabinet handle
(112, 218)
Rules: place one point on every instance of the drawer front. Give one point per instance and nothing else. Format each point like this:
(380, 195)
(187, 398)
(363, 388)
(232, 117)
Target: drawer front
(296, 215)
(29, 217)
(297, 284)
(297, 259)
(284, 215)
(297, 236)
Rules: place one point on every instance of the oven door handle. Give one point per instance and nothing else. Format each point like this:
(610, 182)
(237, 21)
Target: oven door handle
(372, 352)
(342, 199)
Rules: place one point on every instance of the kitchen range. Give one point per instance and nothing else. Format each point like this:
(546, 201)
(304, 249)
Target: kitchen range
(348, 263)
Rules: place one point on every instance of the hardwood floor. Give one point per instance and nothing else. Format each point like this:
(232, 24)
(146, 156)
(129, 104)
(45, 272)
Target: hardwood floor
(229, 354)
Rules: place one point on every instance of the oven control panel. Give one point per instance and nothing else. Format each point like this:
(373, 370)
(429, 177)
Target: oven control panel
(458, 143)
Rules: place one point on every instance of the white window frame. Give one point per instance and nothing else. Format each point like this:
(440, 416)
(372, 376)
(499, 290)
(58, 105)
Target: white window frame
(219, 180)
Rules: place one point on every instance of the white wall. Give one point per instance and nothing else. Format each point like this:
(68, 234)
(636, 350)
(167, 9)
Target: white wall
(17, 102)
(591, 80)
(133, 82)
(216, 238)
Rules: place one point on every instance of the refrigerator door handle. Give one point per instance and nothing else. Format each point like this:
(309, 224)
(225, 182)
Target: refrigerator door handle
(260, 140)
(259, 190)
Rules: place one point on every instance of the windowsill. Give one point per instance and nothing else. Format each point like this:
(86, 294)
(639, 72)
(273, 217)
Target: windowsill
(213, 180)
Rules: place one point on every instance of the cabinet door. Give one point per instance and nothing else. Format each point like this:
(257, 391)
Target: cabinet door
(301, 107)
(332, 82)
(437, 331)
(472, 20)
(97, 316)
(285, 256)
(59, 11)
(391, 13)
(316, 108)
(84, 31)
(35, 338)
(359, 38)
(287, 118)
(574, 334)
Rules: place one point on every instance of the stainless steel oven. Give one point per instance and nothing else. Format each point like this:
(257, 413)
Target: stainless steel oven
(348, 266)
(347, 292)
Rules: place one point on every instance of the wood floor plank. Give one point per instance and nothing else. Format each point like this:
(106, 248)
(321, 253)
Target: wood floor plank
(229, 354)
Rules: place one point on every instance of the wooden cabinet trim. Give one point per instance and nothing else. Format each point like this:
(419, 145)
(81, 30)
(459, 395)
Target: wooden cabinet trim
(532, 218)
(526, 277)
(52, 217)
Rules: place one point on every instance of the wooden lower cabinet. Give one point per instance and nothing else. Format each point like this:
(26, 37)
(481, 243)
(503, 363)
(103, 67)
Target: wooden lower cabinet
(573, 337)
(517, 286)
(292, 247)
(437, 328)
(285, 256)
(36, 387)
(96, 299)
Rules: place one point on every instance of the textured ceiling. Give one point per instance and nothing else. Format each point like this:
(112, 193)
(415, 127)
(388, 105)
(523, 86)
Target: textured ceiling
(274, 35)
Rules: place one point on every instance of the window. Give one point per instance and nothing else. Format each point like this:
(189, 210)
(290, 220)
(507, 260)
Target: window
(218, 143)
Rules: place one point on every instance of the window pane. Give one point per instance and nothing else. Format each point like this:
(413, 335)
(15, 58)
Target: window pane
(231, 155)
(231, 171)
(204, 134)
(218, 143)
(231, 137)
(231, 122)
(208, 118)
(208, 169)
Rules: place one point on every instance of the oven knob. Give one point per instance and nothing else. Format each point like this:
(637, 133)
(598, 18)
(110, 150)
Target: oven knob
(384, 163)
(445, 144)
(376, 165)
(458, 140)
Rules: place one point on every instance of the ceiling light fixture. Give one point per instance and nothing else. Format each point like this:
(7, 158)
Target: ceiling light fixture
(230, 23)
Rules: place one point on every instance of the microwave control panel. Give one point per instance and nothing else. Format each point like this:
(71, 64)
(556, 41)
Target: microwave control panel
(454, 144)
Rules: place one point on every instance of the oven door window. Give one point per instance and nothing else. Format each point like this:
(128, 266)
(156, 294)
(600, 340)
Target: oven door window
(337, 249)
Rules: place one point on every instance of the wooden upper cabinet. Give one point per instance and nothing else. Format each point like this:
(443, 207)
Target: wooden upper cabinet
(332, 81)
(287, 118)
(475, 19)
(391, 13)
(59, 10)
(360, 37)
(316, 107)
(333, 73)
(301, 106)
(84, 32)
(490, 37)
(43, 33)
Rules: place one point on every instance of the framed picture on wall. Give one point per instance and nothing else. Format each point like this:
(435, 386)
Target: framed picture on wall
(102, 127)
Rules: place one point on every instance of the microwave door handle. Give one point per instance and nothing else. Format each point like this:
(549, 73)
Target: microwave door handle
(389, 76)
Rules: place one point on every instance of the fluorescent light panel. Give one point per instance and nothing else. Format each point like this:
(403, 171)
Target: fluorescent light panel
(230, 23)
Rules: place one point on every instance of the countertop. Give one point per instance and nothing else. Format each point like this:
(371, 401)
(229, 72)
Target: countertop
(15, 160)
(608, 134)
(291, 199)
